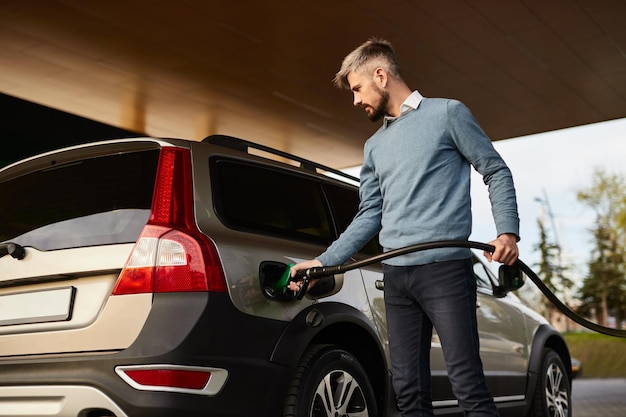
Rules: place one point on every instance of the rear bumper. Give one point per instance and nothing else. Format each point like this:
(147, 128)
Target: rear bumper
(205, 331)
(249, 390)
(61, 400)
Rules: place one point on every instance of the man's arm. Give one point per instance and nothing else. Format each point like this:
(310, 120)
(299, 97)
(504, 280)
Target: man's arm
(363, 227)
(476, 147)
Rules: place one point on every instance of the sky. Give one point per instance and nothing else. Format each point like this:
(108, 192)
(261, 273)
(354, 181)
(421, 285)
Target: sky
(548, 170)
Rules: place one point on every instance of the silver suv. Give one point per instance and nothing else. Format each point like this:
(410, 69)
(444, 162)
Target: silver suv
(142, 277)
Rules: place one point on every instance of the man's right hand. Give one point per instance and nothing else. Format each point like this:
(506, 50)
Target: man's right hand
(295, 285)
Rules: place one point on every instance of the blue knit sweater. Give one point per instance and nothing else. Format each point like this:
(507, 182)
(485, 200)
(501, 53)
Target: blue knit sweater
(415, 185)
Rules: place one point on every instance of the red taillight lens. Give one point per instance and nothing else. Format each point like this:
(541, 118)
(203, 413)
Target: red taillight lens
(180, 264)
(172, 378)
(171, 254)
(196, 380)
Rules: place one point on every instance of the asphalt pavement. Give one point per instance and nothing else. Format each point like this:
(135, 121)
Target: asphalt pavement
(594, 397)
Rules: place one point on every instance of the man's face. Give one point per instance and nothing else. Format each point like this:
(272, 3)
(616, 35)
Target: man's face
(368, 95)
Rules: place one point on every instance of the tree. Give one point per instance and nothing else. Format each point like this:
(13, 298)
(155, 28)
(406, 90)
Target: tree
(550, 269)
(604, 289)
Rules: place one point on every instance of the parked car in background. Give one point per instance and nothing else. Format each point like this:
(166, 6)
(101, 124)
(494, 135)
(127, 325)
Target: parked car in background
(577, 368)
(141, 277)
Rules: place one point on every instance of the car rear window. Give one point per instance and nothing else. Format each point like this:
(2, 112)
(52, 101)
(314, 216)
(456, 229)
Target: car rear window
(96, 201)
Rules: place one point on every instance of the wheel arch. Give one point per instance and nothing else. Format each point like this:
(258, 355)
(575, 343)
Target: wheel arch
(341, 325)
(548, 337)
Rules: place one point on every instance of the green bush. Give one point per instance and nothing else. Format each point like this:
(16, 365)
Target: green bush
(601, 356)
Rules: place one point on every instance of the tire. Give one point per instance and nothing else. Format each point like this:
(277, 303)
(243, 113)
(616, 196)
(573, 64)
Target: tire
(329, 382)
(553, 392)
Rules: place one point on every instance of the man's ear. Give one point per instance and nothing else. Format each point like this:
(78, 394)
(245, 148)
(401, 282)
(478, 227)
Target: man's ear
(380, 77)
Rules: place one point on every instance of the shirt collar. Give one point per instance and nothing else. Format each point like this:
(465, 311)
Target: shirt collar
(411, 103)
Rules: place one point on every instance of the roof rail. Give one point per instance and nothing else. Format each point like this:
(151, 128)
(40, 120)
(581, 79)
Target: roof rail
(242, 145)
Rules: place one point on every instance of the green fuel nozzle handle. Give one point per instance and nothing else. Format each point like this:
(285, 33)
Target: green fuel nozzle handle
(281, 284)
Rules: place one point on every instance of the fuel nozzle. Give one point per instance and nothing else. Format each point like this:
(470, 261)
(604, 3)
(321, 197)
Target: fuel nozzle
(301, 278)
(281, 284)
(276, 276)
(304, 277)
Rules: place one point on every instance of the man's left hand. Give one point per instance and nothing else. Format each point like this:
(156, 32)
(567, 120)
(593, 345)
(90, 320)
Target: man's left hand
(506, 251)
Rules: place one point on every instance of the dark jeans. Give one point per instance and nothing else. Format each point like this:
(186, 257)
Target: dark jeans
(443, 295)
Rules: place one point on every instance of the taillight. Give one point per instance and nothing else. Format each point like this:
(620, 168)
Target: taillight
(170, 378)
(171, 254)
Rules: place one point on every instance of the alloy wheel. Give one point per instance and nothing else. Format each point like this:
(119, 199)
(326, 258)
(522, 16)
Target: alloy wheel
(556, 392)
(339, 395)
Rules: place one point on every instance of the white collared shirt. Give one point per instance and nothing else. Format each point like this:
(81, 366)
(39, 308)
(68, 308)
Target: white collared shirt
(411, 103)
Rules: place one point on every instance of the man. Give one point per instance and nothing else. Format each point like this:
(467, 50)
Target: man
(415, 188)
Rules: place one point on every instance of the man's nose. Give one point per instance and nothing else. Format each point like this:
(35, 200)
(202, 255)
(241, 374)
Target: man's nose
(357, 100)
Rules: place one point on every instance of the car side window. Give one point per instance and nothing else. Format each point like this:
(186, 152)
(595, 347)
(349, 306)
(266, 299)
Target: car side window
(482, 276)
(266, 200)
(344, 203)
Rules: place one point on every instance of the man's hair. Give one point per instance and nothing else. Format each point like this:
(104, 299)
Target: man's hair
(372, 54)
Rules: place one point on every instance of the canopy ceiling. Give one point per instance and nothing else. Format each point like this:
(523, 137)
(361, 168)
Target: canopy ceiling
(262, 70)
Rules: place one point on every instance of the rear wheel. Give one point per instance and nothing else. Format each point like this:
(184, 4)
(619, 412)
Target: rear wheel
(553, 391)
(330, 382)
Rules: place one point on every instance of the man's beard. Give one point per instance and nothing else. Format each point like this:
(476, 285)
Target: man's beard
(380, 110)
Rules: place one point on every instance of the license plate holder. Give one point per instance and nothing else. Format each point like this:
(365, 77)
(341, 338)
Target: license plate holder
(41, 306)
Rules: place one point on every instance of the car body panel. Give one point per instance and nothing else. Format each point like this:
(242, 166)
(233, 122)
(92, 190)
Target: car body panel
(59, 349)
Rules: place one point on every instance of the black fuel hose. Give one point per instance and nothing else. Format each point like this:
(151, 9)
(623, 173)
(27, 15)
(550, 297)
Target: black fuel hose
(306, 275)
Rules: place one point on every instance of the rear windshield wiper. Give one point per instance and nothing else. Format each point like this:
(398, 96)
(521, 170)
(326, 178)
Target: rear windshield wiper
(16, 250)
